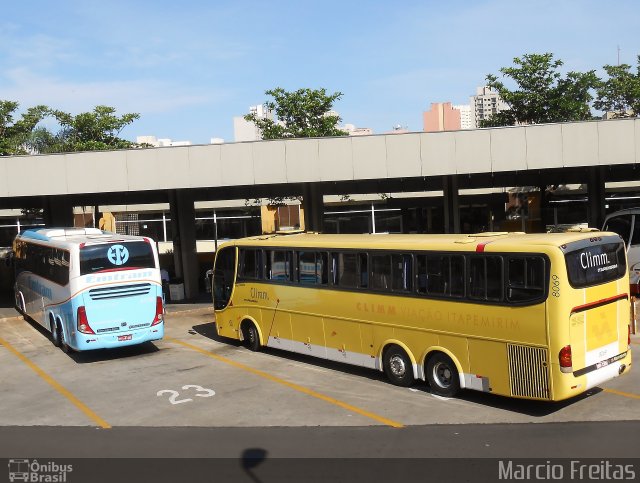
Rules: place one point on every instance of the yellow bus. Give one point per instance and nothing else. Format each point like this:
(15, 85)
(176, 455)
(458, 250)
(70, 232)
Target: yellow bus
(535, 316)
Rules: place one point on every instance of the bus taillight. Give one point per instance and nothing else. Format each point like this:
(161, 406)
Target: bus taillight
(159, 312)
(566, 361)
(83, 322)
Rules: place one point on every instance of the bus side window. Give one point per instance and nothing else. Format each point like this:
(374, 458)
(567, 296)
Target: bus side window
(380, 271)
(485, 278)
(457, 276)
(635, 236)
(250, 267)
(279, 265)
(437, 274)
(620, 225)
(312, 268)
(322, 268)
(525, 280)
(401, 272)
(421, 273)
(347, 265)
(364, 270)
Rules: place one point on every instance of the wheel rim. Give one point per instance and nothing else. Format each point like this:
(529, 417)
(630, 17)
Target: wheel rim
(251, 335)
(397, 366)
(442, 374)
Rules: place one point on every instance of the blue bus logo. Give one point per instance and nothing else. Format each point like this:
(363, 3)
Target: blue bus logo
(118, 254)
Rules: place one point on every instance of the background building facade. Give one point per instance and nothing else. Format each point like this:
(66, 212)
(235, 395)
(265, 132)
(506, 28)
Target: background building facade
(484, 104)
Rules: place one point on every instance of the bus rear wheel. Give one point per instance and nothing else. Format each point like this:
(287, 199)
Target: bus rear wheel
(250, 336)
(20, 303)
(55, 334)
(66, 348)
(397, 366)
(442, 375)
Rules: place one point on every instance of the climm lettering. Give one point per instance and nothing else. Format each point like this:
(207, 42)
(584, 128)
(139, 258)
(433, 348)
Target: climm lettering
(587, 260)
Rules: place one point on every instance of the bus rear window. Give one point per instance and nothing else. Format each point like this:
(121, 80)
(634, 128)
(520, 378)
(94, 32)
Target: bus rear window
(116, 256)
(596, 264)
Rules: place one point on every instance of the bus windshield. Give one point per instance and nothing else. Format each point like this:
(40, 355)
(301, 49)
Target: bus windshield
(597, 264)
(116, 256)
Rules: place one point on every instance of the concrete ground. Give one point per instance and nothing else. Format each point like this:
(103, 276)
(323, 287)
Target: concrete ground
(194, 405)
(195, 378)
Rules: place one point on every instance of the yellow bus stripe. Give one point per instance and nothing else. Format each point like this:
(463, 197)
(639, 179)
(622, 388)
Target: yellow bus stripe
(57, 386)
(624, 394)
(291, 385)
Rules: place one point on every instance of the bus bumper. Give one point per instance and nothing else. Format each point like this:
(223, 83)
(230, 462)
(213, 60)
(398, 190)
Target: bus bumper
(83, 342)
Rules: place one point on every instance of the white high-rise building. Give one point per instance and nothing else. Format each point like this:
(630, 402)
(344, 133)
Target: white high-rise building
(244, 130)
(465, 116)
(484, 104)
(161, 142)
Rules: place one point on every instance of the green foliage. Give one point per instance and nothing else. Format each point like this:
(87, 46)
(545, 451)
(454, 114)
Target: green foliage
(88, 131)
(620, 93)
(16, 136)
(542, 94)
(91, 131)
(300, 114)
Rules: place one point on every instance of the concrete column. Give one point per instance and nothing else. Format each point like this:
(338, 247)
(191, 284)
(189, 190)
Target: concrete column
(313, 208)
(57, 211)
(596, 195)
(185, 256)
(544, 207)
(451, 204)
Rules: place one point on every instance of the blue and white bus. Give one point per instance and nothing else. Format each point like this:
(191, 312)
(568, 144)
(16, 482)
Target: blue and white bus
(91, 289)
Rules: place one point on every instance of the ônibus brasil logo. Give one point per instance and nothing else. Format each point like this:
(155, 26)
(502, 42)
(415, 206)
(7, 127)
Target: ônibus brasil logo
(118, 254)
(34, 471)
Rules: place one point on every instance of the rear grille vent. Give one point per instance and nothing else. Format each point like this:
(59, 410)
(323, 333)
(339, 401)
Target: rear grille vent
(528, 371)
(119, 291)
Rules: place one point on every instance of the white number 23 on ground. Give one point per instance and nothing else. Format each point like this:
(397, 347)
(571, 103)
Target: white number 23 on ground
(174, 396)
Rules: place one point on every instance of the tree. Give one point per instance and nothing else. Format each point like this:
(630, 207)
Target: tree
(542, 94)
(300, 114)
(91, 131)
(620, 93)
(16, 137)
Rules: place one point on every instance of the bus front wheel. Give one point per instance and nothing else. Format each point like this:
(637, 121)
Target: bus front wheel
(442, 375)
(250, 336)
(397, 366)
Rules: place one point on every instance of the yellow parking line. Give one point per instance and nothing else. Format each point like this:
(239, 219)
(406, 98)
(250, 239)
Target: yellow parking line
(620, 393)
(304, 390)
(57, 386)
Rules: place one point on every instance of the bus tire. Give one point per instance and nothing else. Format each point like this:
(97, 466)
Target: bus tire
(250, 336)
(397, 366)
(66, 348)
(442, 375)
(20, 303)
(55, 332)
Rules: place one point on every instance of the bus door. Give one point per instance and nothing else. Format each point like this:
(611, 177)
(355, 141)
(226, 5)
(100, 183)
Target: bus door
(223, 277)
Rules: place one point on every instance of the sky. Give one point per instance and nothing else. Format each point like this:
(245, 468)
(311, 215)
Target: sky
(189, 67)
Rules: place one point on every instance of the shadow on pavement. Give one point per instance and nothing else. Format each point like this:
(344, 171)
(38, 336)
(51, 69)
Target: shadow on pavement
(522, 406)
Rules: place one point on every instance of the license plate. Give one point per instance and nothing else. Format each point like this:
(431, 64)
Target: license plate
(124, 337)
